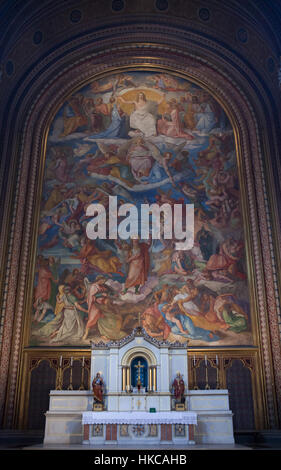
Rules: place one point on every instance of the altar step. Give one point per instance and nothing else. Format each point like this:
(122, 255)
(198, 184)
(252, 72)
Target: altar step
(15, 439)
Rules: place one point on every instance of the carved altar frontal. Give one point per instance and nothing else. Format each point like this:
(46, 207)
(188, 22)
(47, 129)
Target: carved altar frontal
(139, 426)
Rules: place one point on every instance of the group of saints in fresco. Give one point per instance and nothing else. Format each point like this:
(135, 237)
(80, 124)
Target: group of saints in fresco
(144, 137)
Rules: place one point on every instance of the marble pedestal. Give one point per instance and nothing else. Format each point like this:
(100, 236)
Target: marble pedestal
(64, 418)
(214, 418)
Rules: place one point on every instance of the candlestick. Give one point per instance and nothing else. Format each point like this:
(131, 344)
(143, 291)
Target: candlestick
(82, 376)
(59, 376)
(70, 387)
(218, 368)
(195, 387)
(207, 386)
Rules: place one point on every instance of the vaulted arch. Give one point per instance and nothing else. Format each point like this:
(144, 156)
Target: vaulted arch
(189, 52)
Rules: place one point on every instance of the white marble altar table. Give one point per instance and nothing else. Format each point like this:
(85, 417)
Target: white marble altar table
(139, 417)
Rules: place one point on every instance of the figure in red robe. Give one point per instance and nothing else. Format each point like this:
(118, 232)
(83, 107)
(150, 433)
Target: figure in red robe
(174, 127)
(98, 388)
(138, 260)
(178, 386)
(96, 295)
(43, 288)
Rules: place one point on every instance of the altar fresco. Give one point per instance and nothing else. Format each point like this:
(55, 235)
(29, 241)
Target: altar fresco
(144, 137)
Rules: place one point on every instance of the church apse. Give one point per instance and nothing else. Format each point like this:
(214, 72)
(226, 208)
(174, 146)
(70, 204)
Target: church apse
(140, 137)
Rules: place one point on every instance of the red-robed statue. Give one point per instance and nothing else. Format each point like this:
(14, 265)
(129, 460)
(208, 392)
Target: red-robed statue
(178, 387)
(97, 386)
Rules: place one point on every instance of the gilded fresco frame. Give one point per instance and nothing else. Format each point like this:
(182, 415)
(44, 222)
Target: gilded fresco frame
(144, 62)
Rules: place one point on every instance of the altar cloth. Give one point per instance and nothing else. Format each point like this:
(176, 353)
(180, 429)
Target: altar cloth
(139, 417)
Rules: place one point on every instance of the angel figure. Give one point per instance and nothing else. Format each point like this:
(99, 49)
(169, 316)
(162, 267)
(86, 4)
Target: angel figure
(176, 157)
(70, 232)
(173, 158)
(112, 163)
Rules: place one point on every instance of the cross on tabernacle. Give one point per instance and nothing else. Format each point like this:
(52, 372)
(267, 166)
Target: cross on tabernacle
(139, 368)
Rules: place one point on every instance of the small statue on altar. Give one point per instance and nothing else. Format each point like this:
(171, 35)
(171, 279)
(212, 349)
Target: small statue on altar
(98, 389)
(179, 387)
(139, 384)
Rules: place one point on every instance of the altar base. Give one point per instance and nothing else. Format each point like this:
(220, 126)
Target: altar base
(206, 419)
(64, 420)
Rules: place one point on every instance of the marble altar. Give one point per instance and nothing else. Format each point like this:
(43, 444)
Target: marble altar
(144, 415)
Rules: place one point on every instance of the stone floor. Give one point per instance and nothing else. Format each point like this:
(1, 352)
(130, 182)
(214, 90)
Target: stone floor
(33, 440)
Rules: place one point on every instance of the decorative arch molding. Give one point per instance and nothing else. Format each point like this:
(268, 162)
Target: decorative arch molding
(130, 355)
(31, 111)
